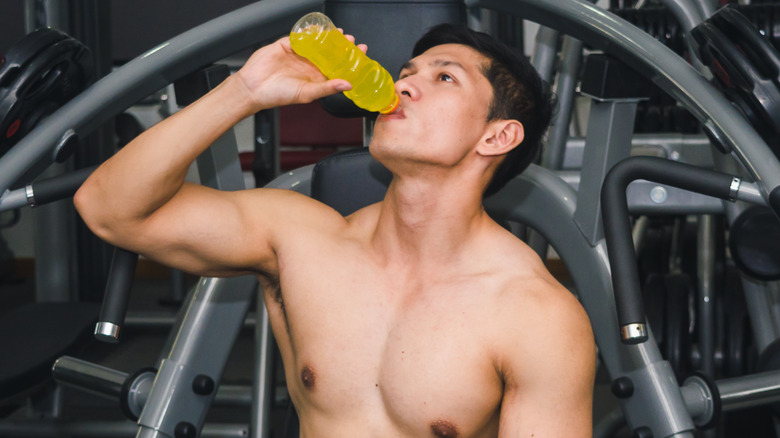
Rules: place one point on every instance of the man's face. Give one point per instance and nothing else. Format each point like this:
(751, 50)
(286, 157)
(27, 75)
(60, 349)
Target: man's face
(443, 111)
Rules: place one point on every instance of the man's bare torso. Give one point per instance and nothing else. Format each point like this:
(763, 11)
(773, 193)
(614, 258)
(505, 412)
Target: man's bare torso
(371, 349)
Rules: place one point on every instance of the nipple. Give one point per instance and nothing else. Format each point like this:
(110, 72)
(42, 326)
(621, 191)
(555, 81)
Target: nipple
(443, 429)
(307, 377)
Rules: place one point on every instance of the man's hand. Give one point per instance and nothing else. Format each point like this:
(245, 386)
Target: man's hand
(276, 76)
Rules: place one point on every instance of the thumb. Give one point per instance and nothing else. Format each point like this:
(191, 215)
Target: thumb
(321, 89)
(340, 85)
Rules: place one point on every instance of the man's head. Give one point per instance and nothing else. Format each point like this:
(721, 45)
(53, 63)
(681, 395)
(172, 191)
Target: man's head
(518, 94)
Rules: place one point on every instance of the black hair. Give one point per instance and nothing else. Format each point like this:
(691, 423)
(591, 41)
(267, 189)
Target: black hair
(519, 93)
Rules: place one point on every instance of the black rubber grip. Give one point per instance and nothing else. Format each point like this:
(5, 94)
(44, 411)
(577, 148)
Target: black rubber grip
(617, 226)
(60, 187)
(120, 280)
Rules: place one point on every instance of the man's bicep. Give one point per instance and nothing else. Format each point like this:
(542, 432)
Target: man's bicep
(550, 389)
(209, 232)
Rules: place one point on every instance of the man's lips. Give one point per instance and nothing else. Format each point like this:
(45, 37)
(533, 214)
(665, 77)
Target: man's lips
(397, 114)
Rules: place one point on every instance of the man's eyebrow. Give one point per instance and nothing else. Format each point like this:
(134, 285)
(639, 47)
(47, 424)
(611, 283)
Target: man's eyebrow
(447, 63)
(407, 66)
(410, 65)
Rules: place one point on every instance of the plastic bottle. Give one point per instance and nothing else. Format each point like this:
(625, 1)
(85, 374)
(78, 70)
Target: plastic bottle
(317, 39)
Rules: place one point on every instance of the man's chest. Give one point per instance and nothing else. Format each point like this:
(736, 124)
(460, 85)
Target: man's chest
(359, 347)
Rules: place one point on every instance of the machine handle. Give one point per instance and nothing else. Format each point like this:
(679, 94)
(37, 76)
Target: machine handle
(58, 187)
(617, 227)
(114, 309)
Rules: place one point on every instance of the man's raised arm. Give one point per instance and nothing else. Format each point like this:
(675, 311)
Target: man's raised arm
(140, 201)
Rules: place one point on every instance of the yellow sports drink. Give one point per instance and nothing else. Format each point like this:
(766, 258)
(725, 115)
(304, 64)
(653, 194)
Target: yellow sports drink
(316, 38)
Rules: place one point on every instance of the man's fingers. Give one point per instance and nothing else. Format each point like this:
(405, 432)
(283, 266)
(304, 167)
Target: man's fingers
(317, 90)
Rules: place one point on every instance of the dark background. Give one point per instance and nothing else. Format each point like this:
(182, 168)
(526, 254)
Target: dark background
(135, 25)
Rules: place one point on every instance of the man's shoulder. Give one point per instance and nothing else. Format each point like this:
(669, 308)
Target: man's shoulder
(290, 209)
(535, 308)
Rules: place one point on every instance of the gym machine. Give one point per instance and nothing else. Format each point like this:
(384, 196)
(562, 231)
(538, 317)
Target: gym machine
(654, 403)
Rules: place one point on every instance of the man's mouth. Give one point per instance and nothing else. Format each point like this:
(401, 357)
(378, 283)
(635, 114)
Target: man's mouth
(397, 114)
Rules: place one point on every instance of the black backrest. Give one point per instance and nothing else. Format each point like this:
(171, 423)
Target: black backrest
(349, 180)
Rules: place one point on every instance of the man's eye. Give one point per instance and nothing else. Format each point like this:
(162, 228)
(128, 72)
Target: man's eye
(446, 78)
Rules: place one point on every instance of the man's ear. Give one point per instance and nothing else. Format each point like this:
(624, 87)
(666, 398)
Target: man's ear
(501, 137)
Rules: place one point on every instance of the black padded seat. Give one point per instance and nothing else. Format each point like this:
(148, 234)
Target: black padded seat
(349, 180)
(34, 335)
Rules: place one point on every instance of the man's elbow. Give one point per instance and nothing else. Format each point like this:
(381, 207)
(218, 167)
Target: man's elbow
(93, 211)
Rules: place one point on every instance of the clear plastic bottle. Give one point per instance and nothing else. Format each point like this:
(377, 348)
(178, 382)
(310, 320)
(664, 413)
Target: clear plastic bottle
(317, 39)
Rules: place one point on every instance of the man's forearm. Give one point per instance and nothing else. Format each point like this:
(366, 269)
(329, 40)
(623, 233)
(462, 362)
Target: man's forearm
(148, 172)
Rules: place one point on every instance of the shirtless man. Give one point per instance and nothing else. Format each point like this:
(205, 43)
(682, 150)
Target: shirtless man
(417, 316)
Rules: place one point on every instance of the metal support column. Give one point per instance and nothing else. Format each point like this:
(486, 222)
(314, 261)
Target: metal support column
(55, 270)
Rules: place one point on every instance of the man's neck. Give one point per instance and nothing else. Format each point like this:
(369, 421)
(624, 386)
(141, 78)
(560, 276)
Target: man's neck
(425, 225)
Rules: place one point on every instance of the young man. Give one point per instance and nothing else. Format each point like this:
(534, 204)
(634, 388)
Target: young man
(417, 316)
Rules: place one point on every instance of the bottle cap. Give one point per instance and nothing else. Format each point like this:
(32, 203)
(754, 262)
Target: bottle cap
(390, 108)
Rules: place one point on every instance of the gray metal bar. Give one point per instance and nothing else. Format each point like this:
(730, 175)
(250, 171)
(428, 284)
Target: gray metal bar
(759, 307)
(39, 428)
(12, 199)
(233, 395)
(749, 192)
(165, 320)
(90, 377)
(705, 298)
(605, 31)
(219, 165)
(554, 151)
(706, 7)
(152, 71)
(545, 52)
(202, 345)
(263, 387)
(610, 127)
(609, 424)
(54, 224)
(687, 148)
(687, 13)
(749, 391)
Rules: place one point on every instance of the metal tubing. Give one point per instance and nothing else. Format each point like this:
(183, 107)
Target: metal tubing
(706, 293)
(545, 52)
(610, 424)
(571, 53)
(610, 129)
(555, 149)
(152, 71)
(617, 228)
(204, 339)
(263, 385)
(13, 199)
(41, 428)
(687, 13)
(762, 320)
(87, 376)
(749, 391)
(605, 31)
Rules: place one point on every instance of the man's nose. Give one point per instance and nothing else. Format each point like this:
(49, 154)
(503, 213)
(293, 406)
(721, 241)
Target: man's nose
(405, 88)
